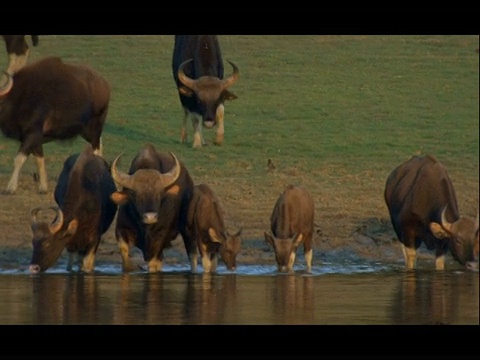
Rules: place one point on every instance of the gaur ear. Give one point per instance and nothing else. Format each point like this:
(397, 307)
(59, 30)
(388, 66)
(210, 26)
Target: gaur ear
(173, 190)
(297, 240)
(227, 95)
(214, 236)
(185, 91)
(72, 227)
(119, 198)
(269, 239)
(438, 231)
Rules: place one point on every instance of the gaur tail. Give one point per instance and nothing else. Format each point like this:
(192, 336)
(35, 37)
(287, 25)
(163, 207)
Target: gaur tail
(35, 40)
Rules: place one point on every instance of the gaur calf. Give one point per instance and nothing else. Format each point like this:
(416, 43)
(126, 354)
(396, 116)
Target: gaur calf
(291, 225)
(206, 226)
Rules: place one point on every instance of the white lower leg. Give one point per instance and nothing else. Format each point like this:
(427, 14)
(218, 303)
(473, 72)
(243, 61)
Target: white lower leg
(42, 174)
(99, 151)
(197, 128)
(206, 263)
(291, 261)
(440, 262)
(410, 256)
(308, 259)
(124, 252)
(220, 127)
(16, 62)
(20, 159)
(155, 265)
(88, 261)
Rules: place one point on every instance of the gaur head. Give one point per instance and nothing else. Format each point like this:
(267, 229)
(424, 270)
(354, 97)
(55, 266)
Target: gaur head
(145, 189)
(229, 246)
(463, 238)
(285, 250)
(49, 240)
(209, 90)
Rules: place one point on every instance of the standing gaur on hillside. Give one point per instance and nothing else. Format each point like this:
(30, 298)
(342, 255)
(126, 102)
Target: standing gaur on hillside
(51, 100)
(85, 212)
(198, 72)
(17, 50)
(423, 209)
(206, 227)
(291, 224)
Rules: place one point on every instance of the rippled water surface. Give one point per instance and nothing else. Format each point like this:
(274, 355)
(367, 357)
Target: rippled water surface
(349, 294)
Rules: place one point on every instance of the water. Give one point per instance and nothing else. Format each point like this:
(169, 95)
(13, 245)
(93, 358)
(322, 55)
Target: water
(349, 294)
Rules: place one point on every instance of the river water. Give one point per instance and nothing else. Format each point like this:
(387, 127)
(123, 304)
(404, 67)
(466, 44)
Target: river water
(253, 295)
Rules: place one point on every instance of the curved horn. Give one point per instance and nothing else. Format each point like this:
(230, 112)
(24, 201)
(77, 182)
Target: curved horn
(170, 177)
(5, 89)
(34, 213)
(121, 178)
(184, 79)
(446, 225)
(233, 78)
(57, 225)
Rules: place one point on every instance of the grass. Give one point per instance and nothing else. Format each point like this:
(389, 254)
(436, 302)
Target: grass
(367, 97)
(335, 113)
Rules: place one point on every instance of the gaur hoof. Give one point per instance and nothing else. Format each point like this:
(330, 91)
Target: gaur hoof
(129, 267)
(219, 140)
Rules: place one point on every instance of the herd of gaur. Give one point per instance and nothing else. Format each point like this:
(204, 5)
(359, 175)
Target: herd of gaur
(156, 200)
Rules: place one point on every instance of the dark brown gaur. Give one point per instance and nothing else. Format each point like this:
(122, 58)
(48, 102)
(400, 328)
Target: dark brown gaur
(84, 212)
(153, 200)
(198, 73)
(33, 111)
(423, 208)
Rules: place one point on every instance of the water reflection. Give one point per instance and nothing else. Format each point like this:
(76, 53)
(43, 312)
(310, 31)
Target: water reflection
(72, 299)
(293, 299)
(174, 298)
(436, 297)
(152, 298)
(180, 297)
(209, 299)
